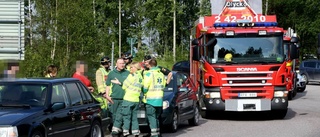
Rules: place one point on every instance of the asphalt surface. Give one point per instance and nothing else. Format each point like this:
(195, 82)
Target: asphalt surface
(302, 120)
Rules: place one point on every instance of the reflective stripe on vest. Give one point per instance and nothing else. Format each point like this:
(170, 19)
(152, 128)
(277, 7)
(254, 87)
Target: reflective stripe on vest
(156, 88)
(102, 88)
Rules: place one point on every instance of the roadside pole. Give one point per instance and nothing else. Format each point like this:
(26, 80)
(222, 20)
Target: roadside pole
(112, 54)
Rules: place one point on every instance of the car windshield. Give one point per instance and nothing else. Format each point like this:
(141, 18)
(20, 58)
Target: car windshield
(22, 94)
(243, 50)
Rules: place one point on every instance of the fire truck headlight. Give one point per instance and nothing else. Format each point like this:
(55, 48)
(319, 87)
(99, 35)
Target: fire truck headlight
(214, 95)
(280, 93)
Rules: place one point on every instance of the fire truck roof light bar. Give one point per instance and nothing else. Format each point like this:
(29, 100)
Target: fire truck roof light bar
(249, 24)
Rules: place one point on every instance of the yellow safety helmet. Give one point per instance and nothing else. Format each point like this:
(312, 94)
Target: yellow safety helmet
(228, 57)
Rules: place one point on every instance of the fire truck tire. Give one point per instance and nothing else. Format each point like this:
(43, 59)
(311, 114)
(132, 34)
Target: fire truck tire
(290, 95)
(279, 114)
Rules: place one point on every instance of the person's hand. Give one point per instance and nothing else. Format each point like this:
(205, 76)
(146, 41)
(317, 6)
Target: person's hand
(91, 89)
(116, 81)
(108, 98)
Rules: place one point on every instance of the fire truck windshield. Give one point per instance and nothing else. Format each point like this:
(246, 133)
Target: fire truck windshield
(243, 50)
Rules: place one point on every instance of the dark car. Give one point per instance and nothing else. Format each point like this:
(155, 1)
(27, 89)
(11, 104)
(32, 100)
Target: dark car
(179, 103)
(310, 70)
(183, 66)
(49, 107)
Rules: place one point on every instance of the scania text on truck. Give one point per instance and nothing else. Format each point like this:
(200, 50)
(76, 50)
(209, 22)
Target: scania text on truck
(237, 58)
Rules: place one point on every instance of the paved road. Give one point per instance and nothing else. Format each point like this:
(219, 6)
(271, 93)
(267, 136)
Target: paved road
(302, 120)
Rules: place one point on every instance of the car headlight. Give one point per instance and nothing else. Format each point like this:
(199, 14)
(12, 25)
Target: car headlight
(280, 93)
(8, 131)
(165, 104)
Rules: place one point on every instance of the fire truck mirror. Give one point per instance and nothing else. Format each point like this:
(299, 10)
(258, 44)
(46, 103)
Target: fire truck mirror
(196, 53)
(294, 40)
(293, 51)
(212, 42)
(195, 42)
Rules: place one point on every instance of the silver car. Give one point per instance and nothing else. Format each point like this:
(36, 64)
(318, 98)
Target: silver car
(301, 82)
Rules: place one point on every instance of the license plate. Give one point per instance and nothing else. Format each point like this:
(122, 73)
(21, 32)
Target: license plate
(247, 95)
(141, 114)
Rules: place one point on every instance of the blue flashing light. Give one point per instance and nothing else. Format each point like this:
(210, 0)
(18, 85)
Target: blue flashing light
(256, 24)
(225, 24)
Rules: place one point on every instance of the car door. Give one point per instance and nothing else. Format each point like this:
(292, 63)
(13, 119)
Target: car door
(310, 66)
(62, 123)
(191, 94)
(80, 108)
(182, 99)
(317, 71)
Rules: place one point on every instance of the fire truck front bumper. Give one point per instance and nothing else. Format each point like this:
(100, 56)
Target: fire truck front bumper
(216, 104)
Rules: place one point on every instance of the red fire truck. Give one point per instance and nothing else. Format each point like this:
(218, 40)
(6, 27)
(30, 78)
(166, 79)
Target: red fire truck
(237, 57)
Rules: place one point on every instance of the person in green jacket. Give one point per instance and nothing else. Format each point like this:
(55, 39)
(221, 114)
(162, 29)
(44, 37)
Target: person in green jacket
(132, 86)
(116, 97)
(153, 86)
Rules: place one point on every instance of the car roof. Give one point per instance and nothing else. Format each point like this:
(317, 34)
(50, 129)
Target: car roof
(40, 80)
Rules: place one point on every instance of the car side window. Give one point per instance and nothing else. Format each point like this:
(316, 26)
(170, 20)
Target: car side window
(181, 79)
(74, 93)
(85, 93)
(310, 64)
(58, 94)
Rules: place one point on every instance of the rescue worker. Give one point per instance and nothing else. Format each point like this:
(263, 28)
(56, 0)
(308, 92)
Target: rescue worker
(116, 97)
(132, 86)
(228, 57)
(101, 77)
(127, 60)
(163, 70)
(51, 71)
(153, 85)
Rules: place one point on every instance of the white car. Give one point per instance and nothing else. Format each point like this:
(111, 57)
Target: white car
(301, 82)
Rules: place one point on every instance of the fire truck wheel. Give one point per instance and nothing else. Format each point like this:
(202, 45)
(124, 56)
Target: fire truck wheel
(279, 114)
(290, 95)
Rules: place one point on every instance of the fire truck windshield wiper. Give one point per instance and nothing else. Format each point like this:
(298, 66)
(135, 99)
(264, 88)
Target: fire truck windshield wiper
(228, 62)
(260, 61)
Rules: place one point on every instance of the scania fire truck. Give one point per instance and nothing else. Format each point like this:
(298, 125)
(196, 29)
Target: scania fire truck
(237, 57)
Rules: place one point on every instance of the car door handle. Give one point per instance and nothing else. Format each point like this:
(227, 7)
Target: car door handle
(71, 112)
(89, 109)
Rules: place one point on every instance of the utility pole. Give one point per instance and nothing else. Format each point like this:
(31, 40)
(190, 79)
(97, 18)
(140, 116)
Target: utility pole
(174, 31)
(119, 28)
(112, 54)
(266, 10)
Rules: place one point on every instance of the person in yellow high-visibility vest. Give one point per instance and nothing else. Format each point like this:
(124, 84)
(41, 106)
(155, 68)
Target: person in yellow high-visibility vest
(130, 105)
(101, 77)
(153, 85)
(51, 71)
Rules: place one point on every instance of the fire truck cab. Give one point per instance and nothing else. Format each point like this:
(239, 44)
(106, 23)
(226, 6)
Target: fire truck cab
(237, 58)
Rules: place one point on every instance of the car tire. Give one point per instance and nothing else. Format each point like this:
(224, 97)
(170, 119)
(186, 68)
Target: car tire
(96, 130)
(37, 133)
(301, 89)
(196, 116)
(305, 77)
(174, 123)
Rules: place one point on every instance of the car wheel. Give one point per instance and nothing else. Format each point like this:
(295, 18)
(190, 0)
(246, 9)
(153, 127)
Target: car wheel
(96, 130)
(305, 77)
(174, 123)
(196, 116)
(37, 133)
